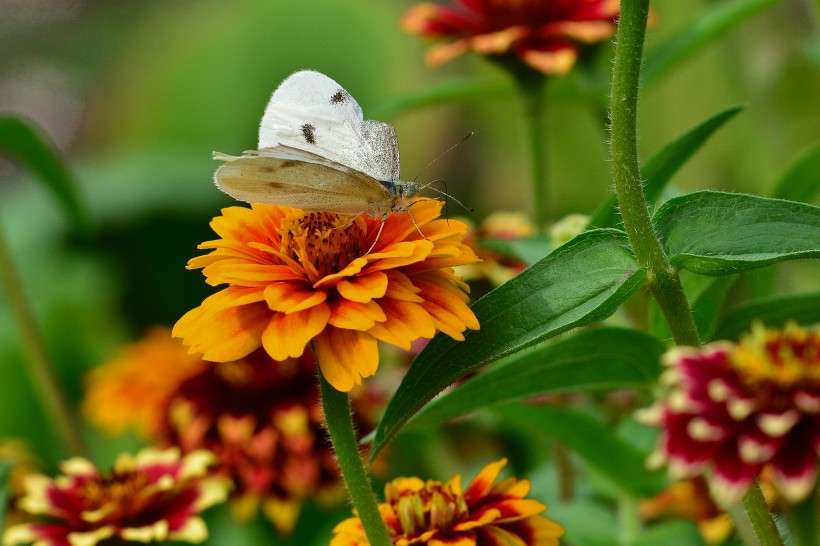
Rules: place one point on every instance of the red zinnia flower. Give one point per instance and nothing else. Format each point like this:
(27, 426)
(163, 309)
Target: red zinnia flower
(736, 409)
(263, 421)
(433, 513)
(544, 34)
(154, 496)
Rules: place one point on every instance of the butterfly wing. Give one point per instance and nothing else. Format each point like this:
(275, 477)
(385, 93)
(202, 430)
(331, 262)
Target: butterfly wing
(298, 178)
(313, 113)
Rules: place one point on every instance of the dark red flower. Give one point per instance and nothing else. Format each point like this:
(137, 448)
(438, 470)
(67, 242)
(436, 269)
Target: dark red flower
(544, 34)
(737, 409)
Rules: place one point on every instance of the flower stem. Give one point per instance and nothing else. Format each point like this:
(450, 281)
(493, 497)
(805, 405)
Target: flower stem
(661, 278)
(339, 422)
(52, 398)
(762, 520)
(531, 85)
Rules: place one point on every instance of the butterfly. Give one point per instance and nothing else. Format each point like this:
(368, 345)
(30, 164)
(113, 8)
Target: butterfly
(317, 152)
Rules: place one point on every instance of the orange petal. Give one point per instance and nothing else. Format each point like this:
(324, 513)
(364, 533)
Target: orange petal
(287, 335)
(223, 335)
(442, 53)
(353, 268)
(497, 42)
(233, 296)
(400, 255)
(450, 314)
(291, 297)
(405, 322)
(400, 287)
(346, 356)
(363, 288)
(483, 482)
(241, 272)
(557, 62)
(353, 315)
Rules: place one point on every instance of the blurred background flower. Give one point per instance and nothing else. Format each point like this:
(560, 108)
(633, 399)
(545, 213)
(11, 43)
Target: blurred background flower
(260, 418)
(735, 409)
(152, 496)
(544, 34)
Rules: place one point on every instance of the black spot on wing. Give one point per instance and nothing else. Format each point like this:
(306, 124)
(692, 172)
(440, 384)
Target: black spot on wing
(339, 97)
(309, 132)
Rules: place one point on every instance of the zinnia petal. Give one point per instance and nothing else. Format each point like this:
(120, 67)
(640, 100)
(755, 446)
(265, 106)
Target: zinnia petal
(346, 356)
(287, 335)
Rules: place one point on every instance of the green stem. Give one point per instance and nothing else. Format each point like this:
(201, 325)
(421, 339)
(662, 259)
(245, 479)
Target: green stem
(662, 279)
(803, 521)
(531, 85)
(761, 516)
(52, 398)
(339, 422)
(629, 520)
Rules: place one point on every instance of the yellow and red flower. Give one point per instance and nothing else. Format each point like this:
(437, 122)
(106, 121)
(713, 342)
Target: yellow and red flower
(544, 34)
(690, 499)
(153, 496)
(437, 514)
(132, 389)
(297, 277)
(263, 422)
(737, 409)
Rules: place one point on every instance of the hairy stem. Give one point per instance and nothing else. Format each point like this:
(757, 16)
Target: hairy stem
(339, 422)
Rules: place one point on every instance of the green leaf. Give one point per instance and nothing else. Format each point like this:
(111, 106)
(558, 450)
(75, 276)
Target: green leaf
(25, 143)
(5, 470)
(581, 282)
(715, 233)
(670, 533)
(595, 360)
(661, 167)
(576, 517)
(801, 181)
(772, 311)
(593, 441)
(708, 303)
(527, 249)
(700, 33)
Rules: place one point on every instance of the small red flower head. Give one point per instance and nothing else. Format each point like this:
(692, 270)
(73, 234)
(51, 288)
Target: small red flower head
(736, 409)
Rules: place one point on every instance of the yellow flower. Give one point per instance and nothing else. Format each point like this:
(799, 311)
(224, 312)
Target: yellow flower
(433, 513)
(133, 388)
(295, 277)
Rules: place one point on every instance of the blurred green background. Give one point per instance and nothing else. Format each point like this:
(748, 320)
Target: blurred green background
(138, 94)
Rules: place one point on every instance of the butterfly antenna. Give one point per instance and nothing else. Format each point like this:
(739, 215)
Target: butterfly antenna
(445, 152)
(445, 194)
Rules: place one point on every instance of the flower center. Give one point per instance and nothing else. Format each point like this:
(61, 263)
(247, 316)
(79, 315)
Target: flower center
(119, 491)
(784, 357)
(326, 240)
(427, 507)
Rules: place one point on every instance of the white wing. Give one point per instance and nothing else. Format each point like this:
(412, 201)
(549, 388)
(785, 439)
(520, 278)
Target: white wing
(297, 178)
(311, 112)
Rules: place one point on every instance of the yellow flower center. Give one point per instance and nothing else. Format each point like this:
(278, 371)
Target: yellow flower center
(422, 507)
(326, 240)
(117, 492)
(785, 357)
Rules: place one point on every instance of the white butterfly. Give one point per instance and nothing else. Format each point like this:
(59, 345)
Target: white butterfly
(317, 152)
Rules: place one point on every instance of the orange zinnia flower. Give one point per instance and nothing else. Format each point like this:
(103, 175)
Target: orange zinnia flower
(433, 513)
(544, 34)
(297, 277)
(133, 388)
